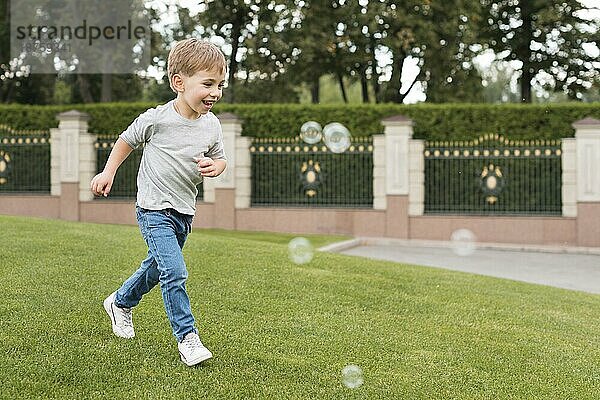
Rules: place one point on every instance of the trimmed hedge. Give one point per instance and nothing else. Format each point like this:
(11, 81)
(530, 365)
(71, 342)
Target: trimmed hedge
(431, 121)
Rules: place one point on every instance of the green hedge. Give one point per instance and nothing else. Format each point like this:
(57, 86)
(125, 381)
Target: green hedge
(431, 121)
(105, 117)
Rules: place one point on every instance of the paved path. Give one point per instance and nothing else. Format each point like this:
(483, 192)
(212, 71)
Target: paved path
(563, 270)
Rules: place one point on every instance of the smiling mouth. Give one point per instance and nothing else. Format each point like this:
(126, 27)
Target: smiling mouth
(208, 103)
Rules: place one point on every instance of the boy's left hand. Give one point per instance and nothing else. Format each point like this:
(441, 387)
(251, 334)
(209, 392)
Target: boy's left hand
(206, 166)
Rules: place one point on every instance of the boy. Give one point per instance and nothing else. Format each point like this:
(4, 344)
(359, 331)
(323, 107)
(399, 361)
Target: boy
(183, 143)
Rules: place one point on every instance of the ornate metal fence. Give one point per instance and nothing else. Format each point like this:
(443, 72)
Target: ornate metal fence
(493, 175)
(24, 161)
(125, 184)
(289, 172)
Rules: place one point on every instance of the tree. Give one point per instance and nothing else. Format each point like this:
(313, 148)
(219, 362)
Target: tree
(448, 56)
(19, 84)
(342, 38)
(315, 44)
(107, 85)
(360, 39)
(228, 18)
(269, 55)
(405, 30)
(498, 80)
(305, 40)
(548, 37)
(257, 34)
(16, 82)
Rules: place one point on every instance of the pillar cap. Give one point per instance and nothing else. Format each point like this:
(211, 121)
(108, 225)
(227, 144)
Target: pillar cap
(73, 115)
(586, 122)
(397, 120)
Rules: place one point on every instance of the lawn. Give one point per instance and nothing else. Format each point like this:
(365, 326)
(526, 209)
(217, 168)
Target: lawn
(280, 330)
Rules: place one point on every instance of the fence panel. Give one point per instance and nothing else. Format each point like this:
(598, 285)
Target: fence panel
(125, 184)
(289, 172)
(24, 161)
(493, 175)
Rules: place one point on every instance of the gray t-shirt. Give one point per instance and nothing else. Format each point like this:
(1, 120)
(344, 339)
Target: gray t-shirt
(168, 174)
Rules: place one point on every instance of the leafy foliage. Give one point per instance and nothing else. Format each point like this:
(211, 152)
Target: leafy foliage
(285, 44)
(548, 37)
(430, 121)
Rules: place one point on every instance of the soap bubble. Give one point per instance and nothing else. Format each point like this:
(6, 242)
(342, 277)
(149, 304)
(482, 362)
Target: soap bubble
(337, 137)
(311, 132)
(300, 250)
(352, 376)
(463, 242)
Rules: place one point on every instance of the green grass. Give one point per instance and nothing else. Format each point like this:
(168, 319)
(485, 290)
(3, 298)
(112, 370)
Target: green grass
(275, 238)
(280, 330)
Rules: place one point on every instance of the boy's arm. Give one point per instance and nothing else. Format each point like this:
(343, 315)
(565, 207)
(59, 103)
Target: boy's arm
(102, 183)
(220, 165)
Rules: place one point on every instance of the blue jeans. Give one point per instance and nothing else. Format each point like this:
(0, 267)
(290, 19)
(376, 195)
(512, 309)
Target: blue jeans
(165, 232)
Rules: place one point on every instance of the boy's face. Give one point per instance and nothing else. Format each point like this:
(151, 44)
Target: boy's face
(202, 90)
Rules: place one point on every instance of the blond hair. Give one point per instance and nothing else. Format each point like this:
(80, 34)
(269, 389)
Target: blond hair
(192, 55)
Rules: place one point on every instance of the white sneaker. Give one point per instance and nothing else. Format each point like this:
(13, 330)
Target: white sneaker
(121, 318)
(192, 351)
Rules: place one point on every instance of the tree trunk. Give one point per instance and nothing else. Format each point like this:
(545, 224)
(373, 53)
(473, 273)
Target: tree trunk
(106, 95)
(364, 85)
(233, 64)
(524, 53)
(314, 91)
(374, 74)
(9, 92)
(5, 47)
(6, 86)
(84, 88)
(526, 84)
(342, 87)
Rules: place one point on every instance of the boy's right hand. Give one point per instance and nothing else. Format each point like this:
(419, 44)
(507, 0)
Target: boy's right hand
(102, 183)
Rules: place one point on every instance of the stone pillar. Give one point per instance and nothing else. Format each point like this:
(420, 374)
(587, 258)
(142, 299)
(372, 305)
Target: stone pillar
(87, 164)
(243, 174)
(379, 199)
(73, 162)
(416, 178)
(569, 177)
(55, 158)
(398, 133)
(231, 189)
(587, 136)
